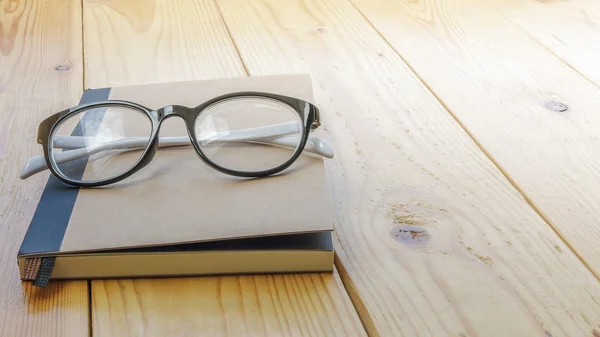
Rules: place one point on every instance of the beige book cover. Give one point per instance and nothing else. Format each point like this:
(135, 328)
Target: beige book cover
(178, 216)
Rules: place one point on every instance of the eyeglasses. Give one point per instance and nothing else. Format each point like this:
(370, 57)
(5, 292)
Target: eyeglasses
(246, 134)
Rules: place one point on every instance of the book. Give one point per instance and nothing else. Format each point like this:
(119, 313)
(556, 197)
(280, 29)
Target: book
(180, 217)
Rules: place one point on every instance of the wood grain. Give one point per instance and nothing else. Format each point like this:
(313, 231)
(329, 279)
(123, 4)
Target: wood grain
(140, 41)
(510, 88)
(570, 29)
(433, 240)
(40, 74)
(282, 305)
(135, 42)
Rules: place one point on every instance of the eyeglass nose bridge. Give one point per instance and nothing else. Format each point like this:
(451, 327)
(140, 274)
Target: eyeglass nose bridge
(173, 110)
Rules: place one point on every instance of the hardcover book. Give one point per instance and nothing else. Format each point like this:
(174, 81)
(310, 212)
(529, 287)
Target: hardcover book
(180, 217)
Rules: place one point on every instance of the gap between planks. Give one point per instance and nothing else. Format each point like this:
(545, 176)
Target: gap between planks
(544, 17)
(551, 51)
(235, 46)
(83, 64)
(90, 307)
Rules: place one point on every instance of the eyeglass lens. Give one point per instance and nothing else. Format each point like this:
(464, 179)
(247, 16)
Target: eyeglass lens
(106, 141)
(232, 133)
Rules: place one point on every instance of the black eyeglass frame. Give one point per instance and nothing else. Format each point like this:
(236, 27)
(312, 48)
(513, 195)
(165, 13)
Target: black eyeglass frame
(308, 113)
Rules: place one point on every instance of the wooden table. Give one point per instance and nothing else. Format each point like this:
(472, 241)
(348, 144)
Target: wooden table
(467, 197)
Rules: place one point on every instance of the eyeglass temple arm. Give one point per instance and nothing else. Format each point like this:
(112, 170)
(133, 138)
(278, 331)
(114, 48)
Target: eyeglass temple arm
(276, 135)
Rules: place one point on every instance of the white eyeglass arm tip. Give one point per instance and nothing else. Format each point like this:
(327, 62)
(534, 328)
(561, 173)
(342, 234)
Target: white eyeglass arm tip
(38, 164)
(34, 165)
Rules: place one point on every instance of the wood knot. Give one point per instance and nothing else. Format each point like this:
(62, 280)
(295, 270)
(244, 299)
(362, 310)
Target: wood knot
(320, 30)
(410, 234)
(62, 68)
(408, 219)
(411, 220)
(556, 106)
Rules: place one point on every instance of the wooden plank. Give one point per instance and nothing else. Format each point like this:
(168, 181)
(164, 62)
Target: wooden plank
(512, 91)
(433, 240)
(570, 29)
(40, 74)
(282, 305)
(133, 42)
